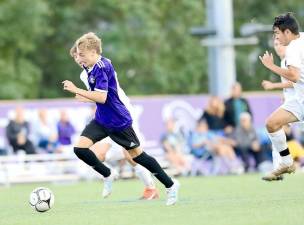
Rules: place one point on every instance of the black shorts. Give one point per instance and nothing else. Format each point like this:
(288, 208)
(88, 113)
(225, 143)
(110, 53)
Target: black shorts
(126, 138)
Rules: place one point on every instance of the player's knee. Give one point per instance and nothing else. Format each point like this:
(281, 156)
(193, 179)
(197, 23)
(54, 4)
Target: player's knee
(101, 156)
(79, 152)
(135, 152)
(273, 125)
(86, 155)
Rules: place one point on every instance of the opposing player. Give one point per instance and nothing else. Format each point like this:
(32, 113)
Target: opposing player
(108, 150)
(288, 92)
(286, 31)
(112, 119)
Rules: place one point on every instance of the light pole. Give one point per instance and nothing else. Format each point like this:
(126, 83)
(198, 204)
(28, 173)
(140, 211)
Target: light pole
(219, 38)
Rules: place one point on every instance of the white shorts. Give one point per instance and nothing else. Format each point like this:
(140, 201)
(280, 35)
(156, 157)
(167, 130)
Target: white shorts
(295, 107)
(115, 152)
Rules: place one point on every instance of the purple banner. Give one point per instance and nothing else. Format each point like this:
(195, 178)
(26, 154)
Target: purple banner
(150, 112)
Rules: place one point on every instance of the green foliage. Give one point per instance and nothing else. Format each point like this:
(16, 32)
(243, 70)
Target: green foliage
(155, 53)
(24, 23)
(148, 42)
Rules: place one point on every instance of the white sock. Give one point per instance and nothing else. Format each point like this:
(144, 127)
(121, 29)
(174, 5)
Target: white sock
(278, 140)
(144, 175)
(276, 159)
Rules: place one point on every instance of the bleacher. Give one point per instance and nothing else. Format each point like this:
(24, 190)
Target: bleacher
(23, 168)
(60, 167)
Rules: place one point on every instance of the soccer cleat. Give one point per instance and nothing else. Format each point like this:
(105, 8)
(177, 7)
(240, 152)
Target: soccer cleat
(280, 171)
(172, 193)
(149, 194)
(273, 178)
(107, 185)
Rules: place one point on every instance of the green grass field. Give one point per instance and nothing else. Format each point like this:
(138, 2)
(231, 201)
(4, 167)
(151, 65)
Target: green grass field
(229, 200)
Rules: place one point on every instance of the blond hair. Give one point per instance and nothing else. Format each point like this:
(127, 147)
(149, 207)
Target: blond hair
(89, 41)
(73, 50)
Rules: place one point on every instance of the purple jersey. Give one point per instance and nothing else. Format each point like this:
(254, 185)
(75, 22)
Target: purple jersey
(113, 114)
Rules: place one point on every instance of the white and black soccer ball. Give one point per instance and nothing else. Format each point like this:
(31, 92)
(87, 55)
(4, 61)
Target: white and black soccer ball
(42, 199)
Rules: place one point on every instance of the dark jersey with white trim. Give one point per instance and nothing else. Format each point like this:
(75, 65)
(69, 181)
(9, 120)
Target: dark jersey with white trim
(113, 114)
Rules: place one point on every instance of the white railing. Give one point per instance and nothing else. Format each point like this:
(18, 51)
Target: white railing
(23, 168)
(60, 167)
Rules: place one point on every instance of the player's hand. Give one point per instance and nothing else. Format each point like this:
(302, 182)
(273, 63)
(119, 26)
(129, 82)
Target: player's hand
(267, 59)
(69, 86)
(267, 85)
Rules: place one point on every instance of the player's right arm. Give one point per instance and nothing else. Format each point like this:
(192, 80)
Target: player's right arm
(292, 73)
(268, 85)
(100, 91)
(82, 99)
(96, 96)
(84, 79)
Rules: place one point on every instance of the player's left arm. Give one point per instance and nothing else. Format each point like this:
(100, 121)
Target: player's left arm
(291, 73)
(95, 96)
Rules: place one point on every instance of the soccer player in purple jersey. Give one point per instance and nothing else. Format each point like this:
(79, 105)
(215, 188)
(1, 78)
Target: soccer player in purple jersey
(108, 150)
(112, 119)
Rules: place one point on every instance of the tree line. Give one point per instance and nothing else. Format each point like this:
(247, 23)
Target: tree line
(148, 42)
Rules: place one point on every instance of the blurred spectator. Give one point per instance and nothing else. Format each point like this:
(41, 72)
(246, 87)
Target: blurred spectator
(204, 142)
(44, 133)
(247, 143)
(17, 133)
(298, 131)
(3, 150)
(65, 129)
(174, 145)
(214, 114)
(235, 105)
(295, 148)
(201, 148)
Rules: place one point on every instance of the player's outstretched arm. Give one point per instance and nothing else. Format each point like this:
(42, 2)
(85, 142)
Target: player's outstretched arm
(268, 85)
(292, 73)
(80, 98)
(95, 96)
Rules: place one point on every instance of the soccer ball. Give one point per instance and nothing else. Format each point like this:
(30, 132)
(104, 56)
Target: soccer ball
(41, 199)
